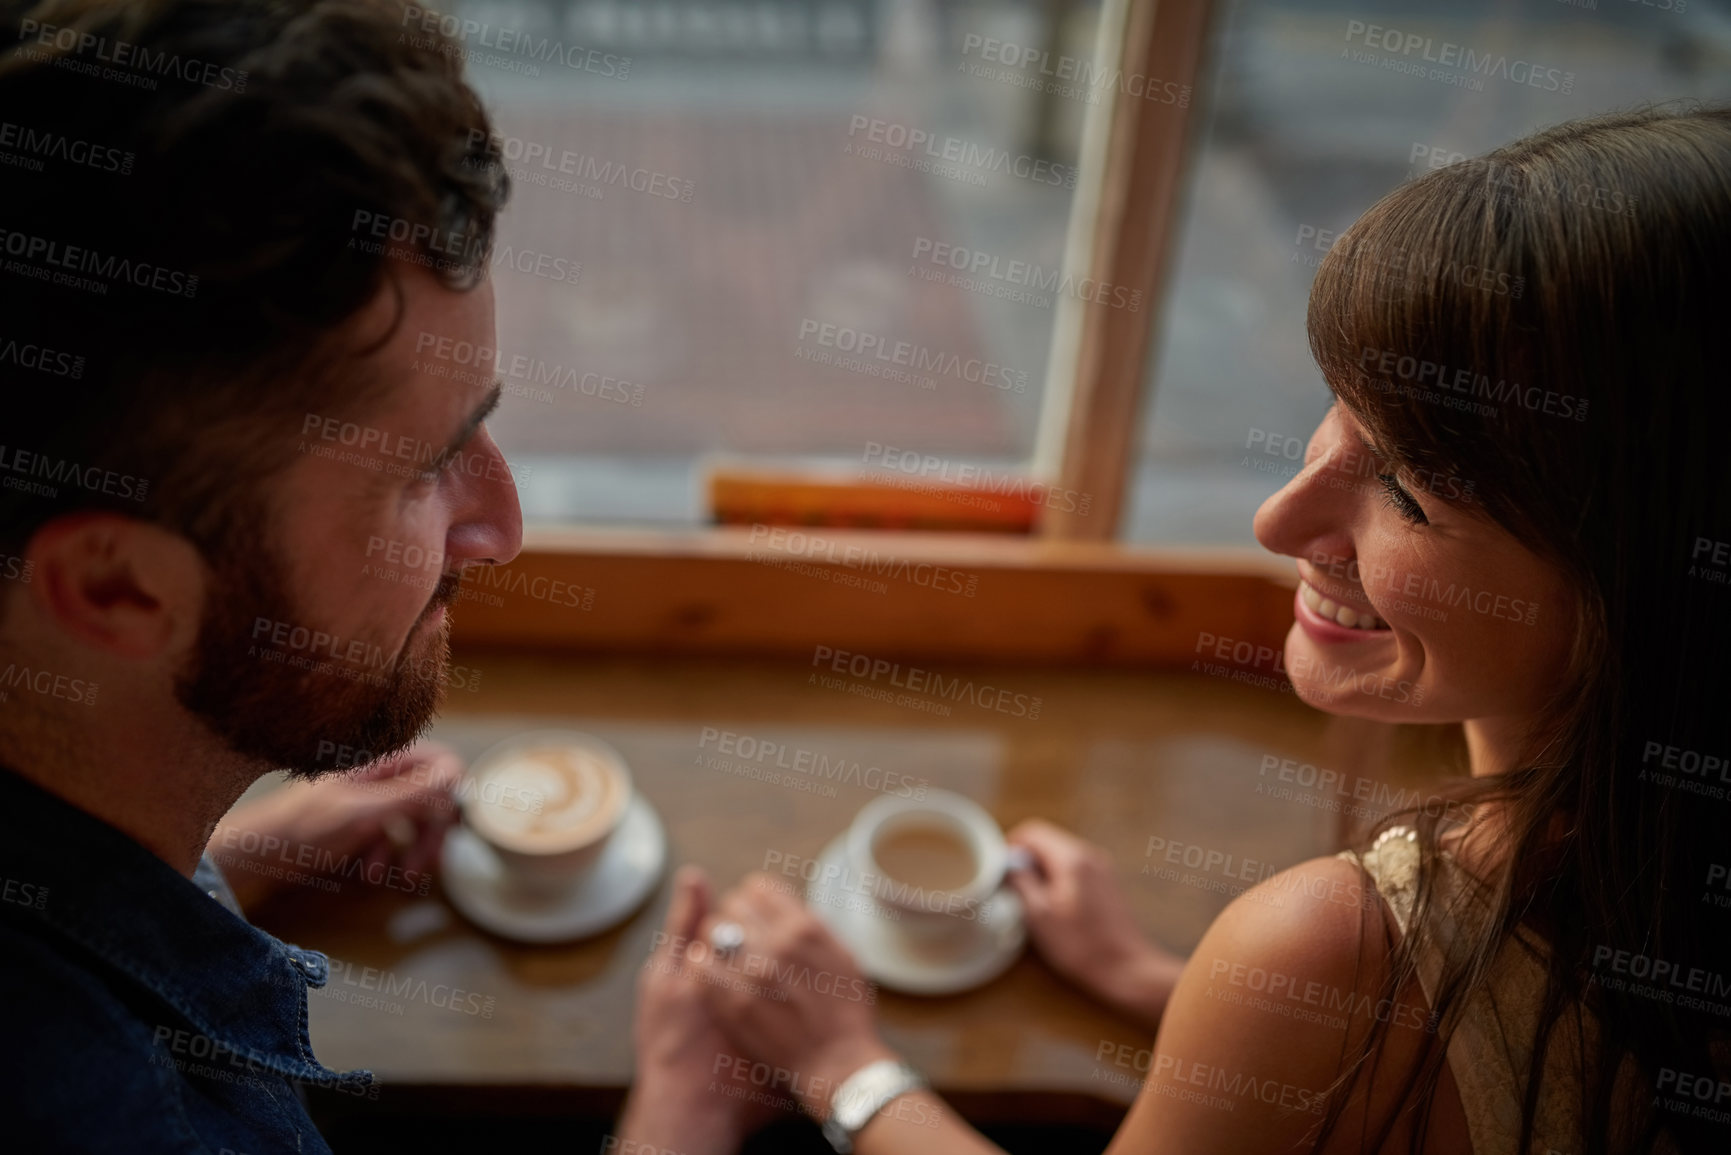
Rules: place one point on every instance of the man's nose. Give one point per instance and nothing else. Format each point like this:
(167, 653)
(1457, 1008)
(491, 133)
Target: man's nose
(489, 526)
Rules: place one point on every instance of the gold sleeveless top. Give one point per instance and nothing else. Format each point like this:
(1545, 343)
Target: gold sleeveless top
(1492, 1046)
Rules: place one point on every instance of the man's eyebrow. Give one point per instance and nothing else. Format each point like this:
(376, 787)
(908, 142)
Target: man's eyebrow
(481, 413)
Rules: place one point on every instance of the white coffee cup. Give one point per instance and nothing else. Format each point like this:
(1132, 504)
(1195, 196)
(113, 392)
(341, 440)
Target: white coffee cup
(934, 862)
(547, 802)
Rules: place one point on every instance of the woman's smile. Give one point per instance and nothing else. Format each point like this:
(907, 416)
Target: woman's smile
(1325, 620)
(1350, 609)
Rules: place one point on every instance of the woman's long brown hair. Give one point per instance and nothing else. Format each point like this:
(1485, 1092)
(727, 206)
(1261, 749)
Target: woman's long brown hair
(1557, 317)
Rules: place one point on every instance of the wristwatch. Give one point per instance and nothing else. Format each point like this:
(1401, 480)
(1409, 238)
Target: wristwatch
(862, 1095)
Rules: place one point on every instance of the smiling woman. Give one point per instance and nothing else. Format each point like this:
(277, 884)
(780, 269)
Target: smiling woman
(1484, 536)
(1412, 602)
(1584, 636)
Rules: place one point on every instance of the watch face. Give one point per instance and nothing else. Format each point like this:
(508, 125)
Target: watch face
(855, 1104)
(868, 1090)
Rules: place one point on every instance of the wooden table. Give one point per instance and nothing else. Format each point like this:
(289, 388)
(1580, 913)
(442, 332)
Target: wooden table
(1119, 757)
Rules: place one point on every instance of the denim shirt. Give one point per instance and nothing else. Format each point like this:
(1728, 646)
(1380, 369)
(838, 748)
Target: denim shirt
(143, 1014)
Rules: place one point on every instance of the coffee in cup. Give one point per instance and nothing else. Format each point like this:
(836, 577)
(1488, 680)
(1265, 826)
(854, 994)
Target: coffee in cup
(934, 862)
(931, 856)
(547, 802)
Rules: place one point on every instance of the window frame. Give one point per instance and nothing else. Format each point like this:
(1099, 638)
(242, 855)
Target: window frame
(1068, 591)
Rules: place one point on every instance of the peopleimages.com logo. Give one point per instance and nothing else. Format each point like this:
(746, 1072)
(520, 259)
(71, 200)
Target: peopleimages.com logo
(496, 46)
(28, 147)
(917, 681)
(1457, 64)
(1073, 77)
(138, 58)
(78, 267)
(974, 158)
(28, 464)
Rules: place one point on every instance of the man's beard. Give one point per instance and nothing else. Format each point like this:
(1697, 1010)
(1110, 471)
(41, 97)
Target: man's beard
(310, 722)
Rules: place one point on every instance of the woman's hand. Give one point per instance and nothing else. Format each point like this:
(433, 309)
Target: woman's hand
(791, 996)
(1081, 924)
(680, 1097)
(381, 824)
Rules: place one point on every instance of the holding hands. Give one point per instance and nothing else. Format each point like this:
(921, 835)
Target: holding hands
(678, 1097)
(757, 983)
(791, 995)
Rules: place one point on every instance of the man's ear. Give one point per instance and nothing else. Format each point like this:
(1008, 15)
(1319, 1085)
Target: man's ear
(118, 584)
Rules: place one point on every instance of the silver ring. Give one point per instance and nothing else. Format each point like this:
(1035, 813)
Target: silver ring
(726, 937)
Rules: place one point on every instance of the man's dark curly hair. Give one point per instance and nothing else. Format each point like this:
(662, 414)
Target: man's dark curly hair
(186, 190)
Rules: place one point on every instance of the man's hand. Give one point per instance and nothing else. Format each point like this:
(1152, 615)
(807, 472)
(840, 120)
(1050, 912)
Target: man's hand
(381, 825)
(679, 1097)
(1081, 924)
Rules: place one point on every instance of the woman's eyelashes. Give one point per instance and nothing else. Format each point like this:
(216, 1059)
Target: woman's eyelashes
(1394, 495)
(1401, 501)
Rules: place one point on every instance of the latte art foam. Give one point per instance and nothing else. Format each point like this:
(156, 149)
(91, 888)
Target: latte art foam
(580, 792)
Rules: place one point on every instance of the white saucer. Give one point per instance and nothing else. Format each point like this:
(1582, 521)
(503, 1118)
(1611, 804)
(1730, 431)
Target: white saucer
(627, 871)
(889, 958)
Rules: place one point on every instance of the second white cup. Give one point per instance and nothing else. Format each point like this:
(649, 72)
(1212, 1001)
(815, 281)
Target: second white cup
(934, 861)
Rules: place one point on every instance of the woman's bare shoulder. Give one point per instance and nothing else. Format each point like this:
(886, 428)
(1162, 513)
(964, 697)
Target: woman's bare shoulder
(1288, 974)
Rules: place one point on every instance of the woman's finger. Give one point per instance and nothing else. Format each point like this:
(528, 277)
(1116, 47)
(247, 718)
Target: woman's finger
(1035, 893)
(1055, 851)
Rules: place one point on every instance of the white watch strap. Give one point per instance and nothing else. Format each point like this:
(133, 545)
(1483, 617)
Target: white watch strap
(862, 1095)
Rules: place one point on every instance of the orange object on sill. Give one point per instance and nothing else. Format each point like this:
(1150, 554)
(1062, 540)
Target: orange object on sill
(912, 503)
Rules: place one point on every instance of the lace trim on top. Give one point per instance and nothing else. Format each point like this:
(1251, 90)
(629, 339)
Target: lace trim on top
(1491, 1049)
